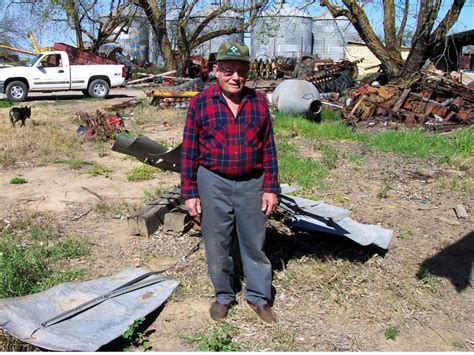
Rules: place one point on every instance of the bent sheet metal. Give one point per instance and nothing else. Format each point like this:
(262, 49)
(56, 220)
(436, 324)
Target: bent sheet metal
(83, 316)
(322, 217)
(149, 152)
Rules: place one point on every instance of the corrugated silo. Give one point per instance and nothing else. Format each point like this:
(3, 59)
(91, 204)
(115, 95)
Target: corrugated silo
(226, 20)
(135, 41)
(281, 31)
(331, 36)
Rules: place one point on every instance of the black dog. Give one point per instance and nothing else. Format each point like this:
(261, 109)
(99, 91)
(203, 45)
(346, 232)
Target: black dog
(19, 114)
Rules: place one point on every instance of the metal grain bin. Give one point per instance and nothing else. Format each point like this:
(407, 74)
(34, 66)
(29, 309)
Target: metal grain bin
(135, 41)
(226, 20)
(331, 36)
(281, 31)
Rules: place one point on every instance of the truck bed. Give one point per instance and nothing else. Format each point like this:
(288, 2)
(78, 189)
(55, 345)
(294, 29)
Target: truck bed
(80, 57)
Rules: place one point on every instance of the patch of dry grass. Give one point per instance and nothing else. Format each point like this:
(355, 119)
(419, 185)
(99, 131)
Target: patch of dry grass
(36, 144)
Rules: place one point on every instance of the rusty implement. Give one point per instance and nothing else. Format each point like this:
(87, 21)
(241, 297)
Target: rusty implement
(174, 94)
(149, 152)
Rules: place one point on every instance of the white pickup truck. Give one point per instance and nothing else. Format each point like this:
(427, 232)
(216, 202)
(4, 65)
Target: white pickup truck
(53, 71)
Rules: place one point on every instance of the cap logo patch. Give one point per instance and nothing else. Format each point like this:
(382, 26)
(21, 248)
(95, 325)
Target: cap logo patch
(233, 50)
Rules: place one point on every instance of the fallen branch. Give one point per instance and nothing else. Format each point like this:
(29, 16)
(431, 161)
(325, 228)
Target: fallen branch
(93, 193)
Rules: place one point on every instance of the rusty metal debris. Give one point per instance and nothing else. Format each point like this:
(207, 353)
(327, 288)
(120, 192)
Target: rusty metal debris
(100, 126)
(123, 105)
(430, 100)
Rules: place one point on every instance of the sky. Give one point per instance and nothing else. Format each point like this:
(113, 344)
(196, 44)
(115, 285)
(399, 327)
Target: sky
(48, 35)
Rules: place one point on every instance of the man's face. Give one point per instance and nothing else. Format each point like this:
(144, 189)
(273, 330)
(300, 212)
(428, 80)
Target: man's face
(231, 75)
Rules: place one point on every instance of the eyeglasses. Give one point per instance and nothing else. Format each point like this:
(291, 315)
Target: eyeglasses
(230, 72)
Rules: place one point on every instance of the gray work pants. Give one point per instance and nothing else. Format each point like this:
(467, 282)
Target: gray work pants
(225, 204)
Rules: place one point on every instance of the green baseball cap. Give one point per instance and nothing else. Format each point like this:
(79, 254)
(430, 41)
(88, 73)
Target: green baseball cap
(233, 51)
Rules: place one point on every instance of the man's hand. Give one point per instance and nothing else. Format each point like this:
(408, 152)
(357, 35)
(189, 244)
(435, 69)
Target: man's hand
(193, 205)
(269, 201)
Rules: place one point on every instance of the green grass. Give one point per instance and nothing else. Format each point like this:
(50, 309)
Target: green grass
(407, 143)
(427, 278)
(221, 339)
(5, 103)
(74, 164)
(114, 210)
(141, 173)
(419, 144)
(293, 170)
(18, 181)
(77, 164)
(385, 188)
(98, 170)
(35, 255)
(136, 338)
(391, 333)
(330, 155)
(297, 126)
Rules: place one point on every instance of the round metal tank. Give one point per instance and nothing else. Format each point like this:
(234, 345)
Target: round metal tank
(331, 36)
(135, 41)
(226, 20)
(281, 31)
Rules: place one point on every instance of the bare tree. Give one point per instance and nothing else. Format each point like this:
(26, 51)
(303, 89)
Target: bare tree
(12, 27)
(93, 21)
(425, 36)
(188, 35)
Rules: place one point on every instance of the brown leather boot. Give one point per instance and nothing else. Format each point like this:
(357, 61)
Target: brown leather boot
(218, 311)
(264, 312)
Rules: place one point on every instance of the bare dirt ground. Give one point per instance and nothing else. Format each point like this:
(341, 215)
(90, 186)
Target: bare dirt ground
(331, 294)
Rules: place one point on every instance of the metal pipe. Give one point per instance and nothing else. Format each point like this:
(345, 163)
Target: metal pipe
(168, 93)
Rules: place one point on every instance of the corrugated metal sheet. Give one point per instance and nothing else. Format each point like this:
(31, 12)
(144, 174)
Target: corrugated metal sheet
(282, 31)
(39, 319)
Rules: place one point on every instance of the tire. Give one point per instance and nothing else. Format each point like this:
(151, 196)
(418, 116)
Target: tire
(98, 88)
(86, 93)
(16, 91)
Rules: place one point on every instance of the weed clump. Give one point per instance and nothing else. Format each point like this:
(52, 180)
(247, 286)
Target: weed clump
(35, 255)
(221, 339)
(18, 180)
(136, 338)
(141, 173)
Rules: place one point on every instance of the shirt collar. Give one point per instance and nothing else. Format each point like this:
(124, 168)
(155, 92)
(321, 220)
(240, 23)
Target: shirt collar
(247, 93)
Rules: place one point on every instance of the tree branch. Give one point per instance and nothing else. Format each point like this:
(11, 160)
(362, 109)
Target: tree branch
(401, 28)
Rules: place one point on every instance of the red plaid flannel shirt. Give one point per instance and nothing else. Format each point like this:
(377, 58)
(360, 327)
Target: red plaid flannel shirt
(233, 147)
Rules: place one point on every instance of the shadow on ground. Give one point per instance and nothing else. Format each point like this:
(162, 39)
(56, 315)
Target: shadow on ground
(120, 344)
(49, 97)
(281, 248)
(454, 262)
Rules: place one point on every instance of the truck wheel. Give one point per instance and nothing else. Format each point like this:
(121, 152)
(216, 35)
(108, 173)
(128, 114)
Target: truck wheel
(16, 91)
(86, 93)
(98, 88)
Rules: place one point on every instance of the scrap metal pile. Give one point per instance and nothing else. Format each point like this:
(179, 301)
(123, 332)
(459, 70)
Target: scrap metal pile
(101, 126)
(178, 96)
(431, 100)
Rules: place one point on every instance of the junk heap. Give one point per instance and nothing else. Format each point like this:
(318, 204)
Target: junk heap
(431, 100)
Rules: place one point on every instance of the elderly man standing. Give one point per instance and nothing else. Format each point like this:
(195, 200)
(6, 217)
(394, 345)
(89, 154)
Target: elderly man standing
(229, 175)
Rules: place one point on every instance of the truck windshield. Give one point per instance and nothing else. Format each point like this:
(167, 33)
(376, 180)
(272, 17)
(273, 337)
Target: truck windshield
(33, 60)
